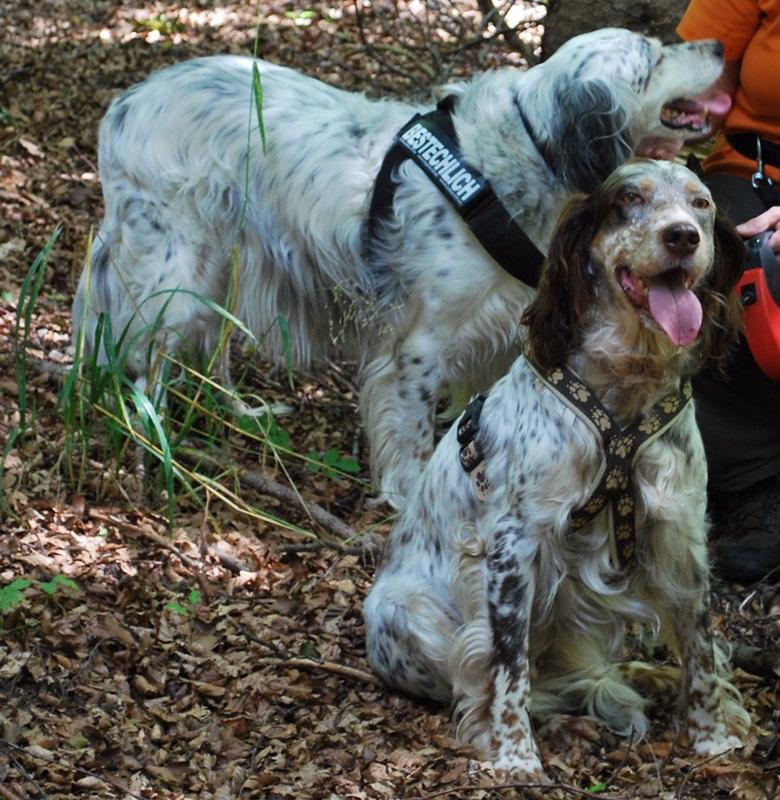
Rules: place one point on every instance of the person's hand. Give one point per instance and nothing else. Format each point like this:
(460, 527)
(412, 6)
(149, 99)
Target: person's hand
(769, 220)
(660, 149)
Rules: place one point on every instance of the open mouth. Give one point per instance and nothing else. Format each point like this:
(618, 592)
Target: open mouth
(692, 115)
(667, 299)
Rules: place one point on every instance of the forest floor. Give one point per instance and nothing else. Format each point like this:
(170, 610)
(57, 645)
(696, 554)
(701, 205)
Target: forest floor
(223, 656)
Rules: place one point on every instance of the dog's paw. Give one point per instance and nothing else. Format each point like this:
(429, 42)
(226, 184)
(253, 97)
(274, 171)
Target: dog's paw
(520, 768)
(717, 745)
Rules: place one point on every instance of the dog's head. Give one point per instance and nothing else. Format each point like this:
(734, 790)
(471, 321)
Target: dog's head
(603, 92)
(647, 257)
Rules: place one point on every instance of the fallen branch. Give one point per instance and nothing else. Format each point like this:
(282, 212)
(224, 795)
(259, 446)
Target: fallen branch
(545, 787)
(756, 661)
(227, 560)
(312, 547)
(327, 666)
(138, 531)
(267, 486)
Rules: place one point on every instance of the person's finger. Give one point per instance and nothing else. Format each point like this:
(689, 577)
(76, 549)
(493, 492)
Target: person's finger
(770, 219)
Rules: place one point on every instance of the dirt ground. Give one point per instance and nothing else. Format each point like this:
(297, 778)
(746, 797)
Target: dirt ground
(226, 659)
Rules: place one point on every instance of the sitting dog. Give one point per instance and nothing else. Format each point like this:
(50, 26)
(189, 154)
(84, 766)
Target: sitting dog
(507, 588)
(189, 182)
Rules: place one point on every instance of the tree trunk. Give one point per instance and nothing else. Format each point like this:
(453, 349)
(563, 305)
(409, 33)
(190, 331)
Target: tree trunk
(567, 18)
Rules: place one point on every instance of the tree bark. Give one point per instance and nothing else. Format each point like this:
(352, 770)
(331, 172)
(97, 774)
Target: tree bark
(567, 18)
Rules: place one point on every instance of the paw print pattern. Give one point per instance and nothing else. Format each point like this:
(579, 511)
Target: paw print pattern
(620, 449)
(578, 391)
(601, 419)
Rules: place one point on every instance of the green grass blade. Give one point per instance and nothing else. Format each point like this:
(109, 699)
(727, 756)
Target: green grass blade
(28, 297)
(212, 305)
(152, 422)
(257, 93)
(284, 333)
(13, 434)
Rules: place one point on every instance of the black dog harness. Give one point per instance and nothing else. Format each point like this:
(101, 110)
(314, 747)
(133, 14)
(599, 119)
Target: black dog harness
(431, 142)
(621, 447)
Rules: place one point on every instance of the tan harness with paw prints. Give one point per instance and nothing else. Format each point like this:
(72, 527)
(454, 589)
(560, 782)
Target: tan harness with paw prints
(621, 447)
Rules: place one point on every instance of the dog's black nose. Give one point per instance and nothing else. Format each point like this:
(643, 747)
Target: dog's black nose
(681, 239)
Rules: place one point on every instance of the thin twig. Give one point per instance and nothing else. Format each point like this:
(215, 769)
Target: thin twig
(271, 488)
(244, 631)
(227, 560)
(322, 544)
(137, 530)
(327, 666)
(498, 787)
(694, 769)
(31, 778)
(656, 763)
(622, 764)
(509, 34)
(73, 767)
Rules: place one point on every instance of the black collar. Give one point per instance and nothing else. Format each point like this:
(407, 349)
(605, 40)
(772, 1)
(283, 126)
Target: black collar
(431, 142)
(544, 151)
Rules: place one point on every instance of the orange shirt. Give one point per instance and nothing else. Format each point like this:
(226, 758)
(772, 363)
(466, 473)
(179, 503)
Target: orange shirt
(750, 32)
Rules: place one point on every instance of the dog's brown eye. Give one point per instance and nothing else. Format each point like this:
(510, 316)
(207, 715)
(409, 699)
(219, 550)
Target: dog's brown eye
(701, 202)
(631, 199)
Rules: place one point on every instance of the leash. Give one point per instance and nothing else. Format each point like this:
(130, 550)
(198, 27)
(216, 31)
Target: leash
(621, 447)
(431, 142)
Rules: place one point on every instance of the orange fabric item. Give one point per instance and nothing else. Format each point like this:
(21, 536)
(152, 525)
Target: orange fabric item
(750, 32)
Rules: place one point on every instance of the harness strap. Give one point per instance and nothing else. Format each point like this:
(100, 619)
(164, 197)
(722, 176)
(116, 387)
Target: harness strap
(747, 144)
(621, 447)
(431, 142)
(472, 458)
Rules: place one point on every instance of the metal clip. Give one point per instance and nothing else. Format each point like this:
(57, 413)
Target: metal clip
(759, 177)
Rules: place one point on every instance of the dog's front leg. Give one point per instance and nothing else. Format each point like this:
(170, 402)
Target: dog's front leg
(511, 583)
(398, 398)
(712, 703)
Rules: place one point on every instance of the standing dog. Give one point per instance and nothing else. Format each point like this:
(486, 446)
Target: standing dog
(510, 590)
(187, 180)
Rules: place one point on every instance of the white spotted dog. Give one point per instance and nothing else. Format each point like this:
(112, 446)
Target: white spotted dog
(509, 590)
(413, 297)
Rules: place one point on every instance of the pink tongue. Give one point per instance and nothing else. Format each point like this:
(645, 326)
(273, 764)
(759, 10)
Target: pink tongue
(719, 104)
(676, 309)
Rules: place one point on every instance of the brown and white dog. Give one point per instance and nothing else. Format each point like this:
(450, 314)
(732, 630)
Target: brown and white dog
(498, 594)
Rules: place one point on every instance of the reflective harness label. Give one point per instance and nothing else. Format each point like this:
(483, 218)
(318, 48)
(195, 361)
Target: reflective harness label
(438, 156)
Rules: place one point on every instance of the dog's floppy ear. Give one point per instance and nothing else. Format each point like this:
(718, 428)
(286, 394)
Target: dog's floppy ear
(721, 305)
(591, 127)
(566, 287)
